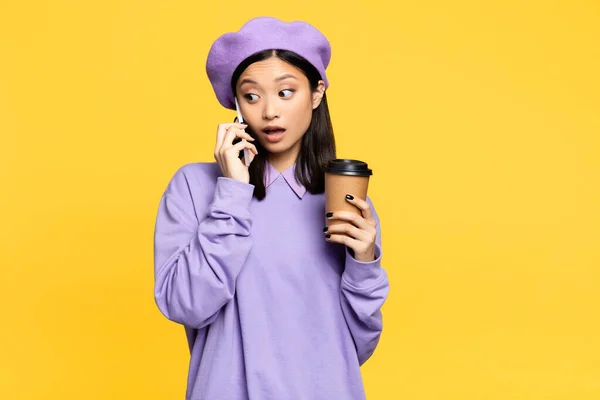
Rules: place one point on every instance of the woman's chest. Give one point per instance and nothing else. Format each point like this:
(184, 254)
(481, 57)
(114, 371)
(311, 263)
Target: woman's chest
(288, 240)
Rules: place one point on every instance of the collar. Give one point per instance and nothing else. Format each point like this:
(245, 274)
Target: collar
(271, 174)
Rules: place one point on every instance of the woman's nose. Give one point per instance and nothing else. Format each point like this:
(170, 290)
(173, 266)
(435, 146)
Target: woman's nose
(270, 110)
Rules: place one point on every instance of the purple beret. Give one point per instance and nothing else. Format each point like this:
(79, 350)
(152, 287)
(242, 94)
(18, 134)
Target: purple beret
(258, 34)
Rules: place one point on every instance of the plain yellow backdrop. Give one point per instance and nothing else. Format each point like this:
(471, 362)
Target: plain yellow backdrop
(481, 121)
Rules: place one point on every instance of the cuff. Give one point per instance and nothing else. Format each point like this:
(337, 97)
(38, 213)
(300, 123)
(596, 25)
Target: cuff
(360, 274)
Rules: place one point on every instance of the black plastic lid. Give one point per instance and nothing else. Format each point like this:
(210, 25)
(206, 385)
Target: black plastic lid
(348, 167)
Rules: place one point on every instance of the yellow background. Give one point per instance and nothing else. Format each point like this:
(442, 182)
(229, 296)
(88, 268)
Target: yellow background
(481, 121)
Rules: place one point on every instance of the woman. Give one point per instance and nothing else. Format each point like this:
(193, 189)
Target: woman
(275, 306)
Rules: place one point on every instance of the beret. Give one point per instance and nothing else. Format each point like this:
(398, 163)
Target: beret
(256, 35)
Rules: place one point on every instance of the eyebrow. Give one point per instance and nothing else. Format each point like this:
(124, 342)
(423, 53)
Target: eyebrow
(278, 79)
(285, 76)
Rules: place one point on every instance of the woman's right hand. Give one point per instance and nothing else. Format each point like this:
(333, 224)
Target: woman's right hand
(227, 153)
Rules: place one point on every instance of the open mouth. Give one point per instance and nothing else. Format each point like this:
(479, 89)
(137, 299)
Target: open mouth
(274, 134)
(276, 131)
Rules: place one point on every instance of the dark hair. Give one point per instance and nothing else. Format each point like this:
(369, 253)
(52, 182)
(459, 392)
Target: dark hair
(318, 143)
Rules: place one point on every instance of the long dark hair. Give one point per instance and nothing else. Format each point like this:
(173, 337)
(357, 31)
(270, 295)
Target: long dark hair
(318, 143)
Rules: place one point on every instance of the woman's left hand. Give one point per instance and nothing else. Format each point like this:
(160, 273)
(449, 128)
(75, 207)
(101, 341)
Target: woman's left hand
(357, 232)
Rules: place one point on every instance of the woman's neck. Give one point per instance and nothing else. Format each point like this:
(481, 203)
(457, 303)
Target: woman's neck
(282, 161)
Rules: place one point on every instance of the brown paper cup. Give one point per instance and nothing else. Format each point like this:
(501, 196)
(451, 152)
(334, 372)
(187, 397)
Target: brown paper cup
(344, 177)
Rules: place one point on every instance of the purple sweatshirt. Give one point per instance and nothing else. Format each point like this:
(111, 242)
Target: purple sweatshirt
(271, 309)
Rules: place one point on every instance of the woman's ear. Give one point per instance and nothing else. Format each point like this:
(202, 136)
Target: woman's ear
(318, 93)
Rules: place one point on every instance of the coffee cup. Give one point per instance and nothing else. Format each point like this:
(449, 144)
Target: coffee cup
(342, 177)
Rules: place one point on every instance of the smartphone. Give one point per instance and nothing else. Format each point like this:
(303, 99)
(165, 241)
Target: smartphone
(240, 119)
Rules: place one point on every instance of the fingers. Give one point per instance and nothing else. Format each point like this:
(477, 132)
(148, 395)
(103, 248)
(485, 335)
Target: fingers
(236, 148)
(226, 135)
(362, 242)
(251, 156)
(345, 240)
(353, 218)
(242, 134)
(231, 140)
(363, 251)
(223, 129)
(234, 132)
(252, 152)
(230, 135)
(363, 206)
(356, 231)
(352, 232)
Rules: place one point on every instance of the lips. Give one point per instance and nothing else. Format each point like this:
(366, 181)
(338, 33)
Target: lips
(273, 129)
(273, 133)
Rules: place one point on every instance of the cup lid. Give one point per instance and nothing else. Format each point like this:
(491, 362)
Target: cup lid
(348, 167)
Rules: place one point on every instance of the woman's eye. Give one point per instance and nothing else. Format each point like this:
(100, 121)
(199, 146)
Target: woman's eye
(251, 96)
(286, 92)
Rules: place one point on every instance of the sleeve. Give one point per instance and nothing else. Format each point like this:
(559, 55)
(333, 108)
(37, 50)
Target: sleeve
(196, 263)
(364, 289)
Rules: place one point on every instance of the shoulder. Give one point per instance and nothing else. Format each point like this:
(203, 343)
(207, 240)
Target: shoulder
(192, 187)
(203, 171)
(194, 176)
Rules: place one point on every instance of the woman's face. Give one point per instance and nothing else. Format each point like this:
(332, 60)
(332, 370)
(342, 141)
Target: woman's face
(276, 101)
